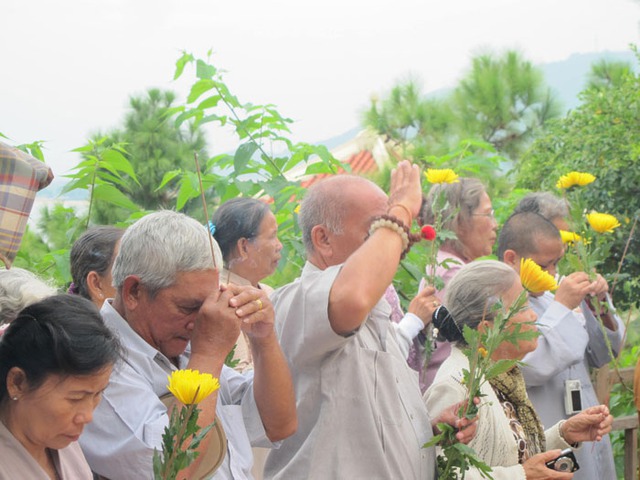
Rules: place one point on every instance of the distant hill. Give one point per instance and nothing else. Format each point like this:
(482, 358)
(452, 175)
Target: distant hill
(569, 77)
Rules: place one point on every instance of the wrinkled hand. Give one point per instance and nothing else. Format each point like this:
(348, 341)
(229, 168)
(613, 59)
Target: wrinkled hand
(599, 288)
(217, 326)
(424, 304)
(573, 289)
(535, 468)
(255, 311)
(466, 427)
(590, 425)
(405, 187)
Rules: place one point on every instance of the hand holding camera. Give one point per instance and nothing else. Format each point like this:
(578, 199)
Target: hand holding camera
(565, 462)
(541, 466)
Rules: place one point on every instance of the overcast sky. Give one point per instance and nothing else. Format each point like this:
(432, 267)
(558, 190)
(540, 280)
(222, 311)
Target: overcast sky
(69, 66)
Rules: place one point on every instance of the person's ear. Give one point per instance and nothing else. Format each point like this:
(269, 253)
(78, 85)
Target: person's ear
(242, 247)
(511, 258)
(131, 292)
(17, 384)
(94, 286)
(321, 240)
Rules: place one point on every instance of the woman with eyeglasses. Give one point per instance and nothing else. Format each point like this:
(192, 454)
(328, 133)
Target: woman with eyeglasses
(509, 437)
(469, 214)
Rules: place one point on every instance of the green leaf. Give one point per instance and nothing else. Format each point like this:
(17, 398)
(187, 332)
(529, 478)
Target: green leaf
(181, 63)
(209, 102)
(199, 88)
(243, 155)
(204, 70)
(109, 193)
(167, 178)
(185, 193)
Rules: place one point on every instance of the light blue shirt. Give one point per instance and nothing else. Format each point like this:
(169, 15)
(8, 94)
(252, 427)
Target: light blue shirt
(128, 424)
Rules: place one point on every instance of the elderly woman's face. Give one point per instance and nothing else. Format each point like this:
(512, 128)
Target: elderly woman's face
(508, 350)
(54, 414)
(263, 251)
(478, 234)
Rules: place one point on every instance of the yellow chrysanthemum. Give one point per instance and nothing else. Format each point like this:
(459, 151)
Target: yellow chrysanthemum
(575, 178)
(441, 175)
(569, 237)
(534, 279)
(191, 386)
(602, 222)
(483, 352)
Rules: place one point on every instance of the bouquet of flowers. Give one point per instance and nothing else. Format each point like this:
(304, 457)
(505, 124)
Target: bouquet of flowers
(183, 435)
(455, 459)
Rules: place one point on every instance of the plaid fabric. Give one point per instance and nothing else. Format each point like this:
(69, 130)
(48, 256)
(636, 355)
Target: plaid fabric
(21, 176)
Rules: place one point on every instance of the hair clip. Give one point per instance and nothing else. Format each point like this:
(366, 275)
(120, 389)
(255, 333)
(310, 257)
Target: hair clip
(212, 227)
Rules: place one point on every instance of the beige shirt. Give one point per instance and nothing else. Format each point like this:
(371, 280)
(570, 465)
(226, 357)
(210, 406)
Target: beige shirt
(17, 463)
(360, 414)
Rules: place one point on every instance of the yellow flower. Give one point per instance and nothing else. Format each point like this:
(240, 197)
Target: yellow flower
(483, 352)
(570, 237)
(534, 279)
(602, 222)
(441, 175)
(191, 386)
(297, 209)
(575, 178)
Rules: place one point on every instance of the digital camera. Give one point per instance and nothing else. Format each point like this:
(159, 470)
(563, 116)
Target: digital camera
(565, 462)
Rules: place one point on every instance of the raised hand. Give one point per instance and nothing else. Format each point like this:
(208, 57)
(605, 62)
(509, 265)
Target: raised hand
(573, 289)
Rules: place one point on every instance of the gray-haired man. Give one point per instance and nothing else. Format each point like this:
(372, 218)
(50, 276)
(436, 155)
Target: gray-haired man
(171, 313)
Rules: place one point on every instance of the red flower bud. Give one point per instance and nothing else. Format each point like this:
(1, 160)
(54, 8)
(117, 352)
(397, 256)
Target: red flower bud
(428, 232)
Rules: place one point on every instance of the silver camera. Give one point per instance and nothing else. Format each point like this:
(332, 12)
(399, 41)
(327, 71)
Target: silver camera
(566, 462)
(572, 397)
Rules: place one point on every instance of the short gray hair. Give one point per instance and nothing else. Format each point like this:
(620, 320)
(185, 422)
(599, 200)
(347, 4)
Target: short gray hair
(472, 292)
(326, 203)
(160, 246)
(545, 204)
(18, 289)
(462, 199)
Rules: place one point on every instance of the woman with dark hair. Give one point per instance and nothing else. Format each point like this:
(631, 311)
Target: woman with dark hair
(247, 233)
(92, 256)
(510, 437)
(55, 361)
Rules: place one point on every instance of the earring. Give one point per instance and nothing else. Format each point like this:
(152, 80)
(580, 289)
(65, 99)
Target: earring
(15, 398)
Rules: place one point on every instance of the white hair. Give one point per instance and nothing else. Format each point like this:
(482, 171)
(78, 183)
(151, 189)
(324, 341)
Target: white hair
(161, 245)
(18, 289)
(473, 291)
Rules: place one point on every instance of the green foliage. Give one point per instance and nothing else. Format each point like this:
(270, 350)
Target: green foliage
(608, 74)
(104, 172)
(251, 170)
(504, 101)
(600, 137)
(180, 440)
(417, 125)
(501, 100)
(152, 146)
